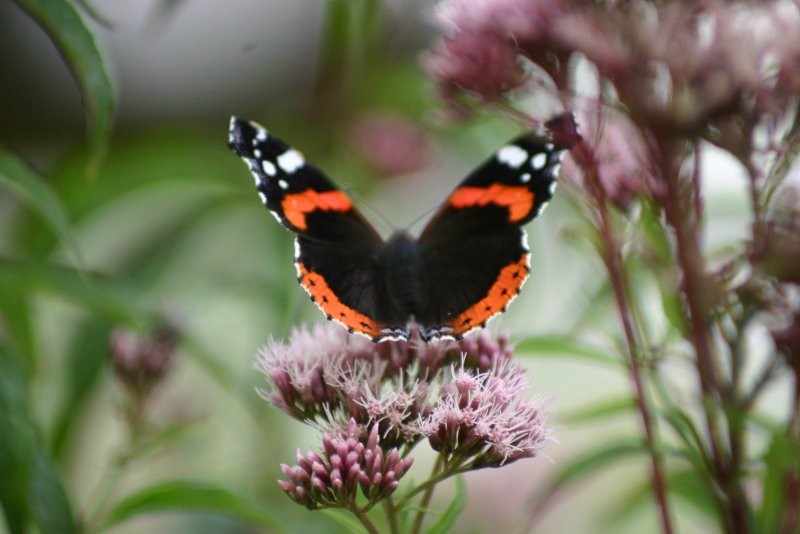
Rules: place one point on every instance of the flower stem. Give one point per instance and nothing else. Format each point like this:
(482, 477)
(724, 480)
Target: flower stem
(426, 497)
(621, 288)
(679, 213)
(362, 517)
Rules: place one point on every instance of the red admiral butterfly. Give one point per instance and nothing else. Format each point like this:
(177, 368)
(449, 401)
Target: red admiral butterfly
(469, 262)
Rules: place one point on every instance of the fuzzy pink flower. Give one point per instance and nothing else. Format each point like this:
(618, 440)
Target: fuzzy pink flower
(481, 419)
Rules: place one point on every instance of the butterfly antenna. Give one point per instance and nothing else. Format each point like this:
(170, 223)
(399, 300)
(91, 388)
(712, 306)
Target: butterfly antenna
(425, 214)
(368, 207)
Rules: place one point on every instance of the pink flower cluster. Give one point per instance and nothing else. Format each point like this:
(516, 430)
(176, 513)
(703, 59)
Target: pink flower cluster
(464, 397)
(350, 460)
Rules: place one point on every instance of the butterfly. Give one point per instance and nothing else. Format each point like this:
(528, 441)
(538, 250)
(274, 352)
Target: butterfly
(467, 265)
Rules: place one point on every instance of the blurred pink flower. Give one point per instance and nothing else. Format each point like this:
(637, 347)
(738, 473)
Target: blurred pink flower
(621, 160)
(481, 62)
(390, 144)
(139, 361)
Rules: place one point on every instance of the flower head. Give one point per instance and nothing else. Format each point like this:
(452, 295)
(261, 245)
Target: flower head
(350, 459)
(141, 361)
(481, 419)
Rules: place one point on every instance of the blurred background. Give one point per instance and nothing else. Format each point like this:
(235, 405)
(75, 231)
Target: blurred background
(164, 228)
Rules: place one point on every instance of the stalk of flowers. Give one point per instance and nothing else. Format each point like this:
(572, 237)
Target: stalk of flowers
(374, 403)
(666, 80)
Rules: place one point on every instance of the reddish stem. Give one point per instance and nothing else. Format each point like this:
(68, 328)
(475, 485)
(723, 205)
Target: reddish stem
(584, 156)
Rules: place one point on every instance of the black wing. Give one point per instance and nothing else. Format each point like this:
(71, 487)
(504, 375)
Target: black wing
(474, 254)
(336, 250)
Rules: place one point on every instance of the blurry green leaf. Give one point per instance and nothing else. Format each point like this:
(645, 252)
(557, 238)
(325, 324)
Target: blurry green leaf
(51, 509)
(344, 518)
(17, 325)
(685, 485)
(191, 496)
(453, 511)
(102, 298)
(75, 42)
(656, 233)
(782, 461)
(87, 357)
(598, 459)
(38, 196)
(30, 490)
(600, 410)
(550, 346)
(583, 466)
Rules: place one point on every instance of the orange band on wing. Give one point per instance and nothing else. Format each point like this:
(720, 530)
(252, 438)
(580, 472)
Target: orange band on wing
(497, 298)
(297, 205)
(329, 303)
(518, 200)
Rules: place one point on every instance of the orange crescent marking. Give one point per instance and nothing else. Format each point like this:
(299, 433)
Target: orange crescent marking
(296, 206)
(503, 291)
(322, 295)
(518, 199)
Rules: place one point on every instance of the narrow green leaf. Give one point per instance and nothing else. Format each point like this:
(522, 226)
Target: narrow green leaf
(550, 346)
(76, 43)
(87, 357)
(600, 410)
(192, 496)
(782, 460)
(586, 465)
(344, 518)
(598, 459)
(685, 485)
(38, 196)
(30, 489)
(101, 297)
(454, 509)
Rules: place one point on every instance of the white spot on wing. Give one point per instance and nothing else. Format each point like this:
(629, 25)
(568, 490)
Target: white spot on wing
(290, 161)
(539, 161)
(297, 251)
(553, 187)
(257, 153)
(263, 197)
(261, 133)
(283, 184)
(512, 155)
(549, 147)
(269, 168)
(525, 178)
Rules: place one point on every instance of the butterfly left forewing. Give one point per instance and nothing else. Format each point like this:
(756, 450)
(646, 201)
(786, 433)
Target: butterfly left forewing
(474, 251)
(335, 248)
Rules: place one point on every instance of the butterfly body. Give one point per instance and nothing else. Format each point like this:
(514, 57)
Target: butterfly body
(467, 265)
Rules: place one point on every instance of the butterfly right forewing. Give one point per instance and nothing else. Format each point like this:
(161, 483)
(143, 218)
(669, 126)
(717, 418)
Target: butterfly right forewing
(474, 251)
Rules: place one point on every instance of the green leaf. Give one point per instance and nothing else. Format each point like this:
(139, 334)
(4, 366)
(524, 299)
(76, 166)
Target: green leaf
(550, 346)
(600, 410)
(686, 485)
(782, 461)
(76, 43)
(344, 518)
(100, 297)
(192, 496)
(38, 196)
(87, 357)
(454, 509)
(586, 465)
(598, 459)
(30, 489)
